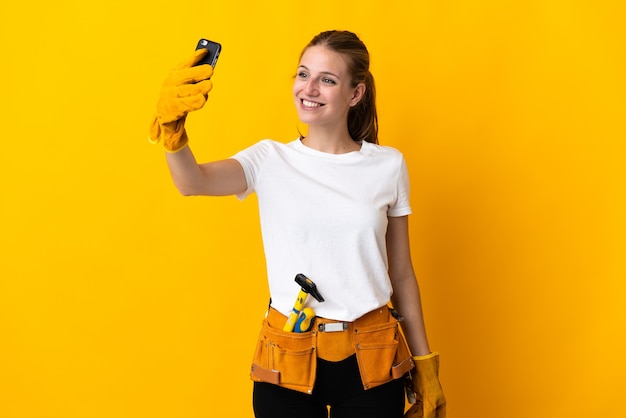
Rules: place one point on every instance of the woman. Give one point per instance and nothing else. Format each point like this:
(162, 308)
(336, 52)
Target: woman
(333, 206)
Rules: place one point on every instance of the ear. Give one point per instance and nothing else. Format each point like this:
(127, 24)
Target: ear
(357, 95)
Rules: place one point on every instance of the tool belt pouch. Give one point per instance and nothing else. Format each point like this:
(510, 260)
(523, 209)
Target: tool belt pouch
(286, 359)
(382, 352)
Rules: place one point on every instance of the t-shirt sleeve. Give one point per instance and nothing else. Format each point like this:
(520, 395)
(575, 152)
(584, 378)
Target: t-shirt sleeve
(402, 205)
(252, 160)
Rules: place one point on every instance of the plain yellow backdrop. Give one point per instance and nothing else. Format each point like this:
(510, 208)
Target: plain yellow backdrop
(120, 298)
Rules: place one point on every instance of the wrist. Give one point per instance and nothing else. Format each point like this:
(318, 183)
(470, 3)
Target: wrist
(175, 150)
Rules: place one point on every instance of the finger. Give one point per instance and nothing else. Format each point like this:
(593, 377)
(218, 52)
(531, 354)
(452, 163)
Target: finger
(192, 103)
(416, 411)
(192, 60)
(186, 90)
(199, 54)
(204, 86)
(155, 131)
(190, 75)
(429, 411)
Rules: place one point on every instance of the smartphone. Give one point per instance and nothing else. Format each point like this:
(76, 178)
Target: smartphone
(214, 52)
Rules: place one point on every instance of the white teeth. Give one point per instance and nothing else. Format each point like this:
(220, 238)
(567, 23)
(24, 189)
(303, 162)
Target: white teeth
(306, 103)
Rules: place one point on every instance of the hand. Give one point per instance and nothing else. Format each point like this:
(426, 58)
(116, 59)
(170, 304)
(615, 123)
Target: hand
(184, 90)
(430, 400)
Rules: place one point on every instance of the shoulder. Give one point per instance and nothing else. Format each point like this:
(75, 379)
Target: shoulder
(263, 147)
(266, 144)
(272, 145)
(381, 151)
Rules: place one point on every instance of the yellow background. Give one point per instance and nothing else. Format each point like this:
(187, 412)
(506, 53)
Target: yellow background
(120, 298)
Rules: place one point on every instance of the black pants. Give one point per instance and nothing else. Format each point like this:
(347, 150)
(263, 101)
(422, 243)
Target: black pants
(338, 385)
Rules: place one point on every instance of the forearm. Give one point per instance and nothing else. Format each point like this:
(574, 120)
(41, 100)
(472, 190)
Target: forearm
(406, 297)
(185, 171)
(407, 301)
(217, 178)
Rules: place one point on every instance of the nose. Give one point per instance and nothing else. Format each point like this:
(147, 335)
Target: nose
(310, 88)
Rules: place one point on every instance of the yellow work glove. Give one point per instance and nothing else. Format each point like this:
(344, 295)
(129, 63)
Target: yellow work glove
(185, 89)
(430, 401)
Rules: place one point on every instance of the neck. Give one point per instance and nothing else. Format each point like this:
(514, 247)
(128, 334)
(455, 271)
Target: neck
(330, 141)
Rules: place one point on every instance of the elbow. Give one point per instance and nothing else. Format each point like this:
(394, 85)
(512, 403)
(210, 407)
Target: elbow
(186, 189)
(186, 193)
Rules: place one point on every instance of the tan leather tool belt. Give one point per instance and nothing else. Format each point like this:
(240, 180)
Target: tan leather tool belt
(289, 359)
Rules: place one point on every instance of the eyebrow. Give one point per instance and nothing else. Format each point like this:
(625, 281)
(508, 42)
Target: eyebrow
(321, 72)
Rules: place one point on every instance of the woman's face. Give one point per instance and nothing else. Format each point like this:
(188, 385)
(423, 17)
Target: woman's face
(322, 89)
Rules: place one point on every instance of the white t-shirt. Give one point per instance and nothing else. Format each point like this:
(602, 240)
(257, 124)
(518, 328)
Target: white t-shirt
(325, 216)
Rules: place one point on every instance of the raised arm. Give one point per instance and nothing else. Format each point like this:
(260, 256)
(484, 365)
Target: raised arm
(185, 90)
(218, 178)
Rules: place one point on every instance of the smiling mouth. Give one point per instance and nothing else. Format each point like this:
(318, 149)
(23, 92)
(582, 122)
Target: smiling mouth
(309, 104)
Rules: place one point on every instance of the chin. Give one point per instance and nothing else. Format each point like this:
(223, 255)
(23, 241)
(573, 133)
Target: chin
(305, 117)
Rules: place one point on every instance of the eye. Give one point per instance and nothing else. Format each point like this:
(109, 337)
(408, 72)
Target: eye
(302, 74)
(329, 81)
